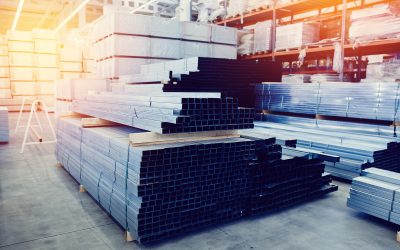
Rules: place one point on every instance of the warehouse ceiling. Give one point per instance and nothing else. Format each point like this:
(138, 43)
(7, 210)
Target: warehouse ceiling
(45, 13)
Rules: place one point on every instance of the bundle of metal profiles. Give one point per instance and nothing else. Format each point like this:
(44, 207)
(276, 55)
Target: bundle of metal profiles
(377, 192)
(373, 101)
(157, 191)
(4, 128)
(168, 113)
(358, 146)
(233, 78)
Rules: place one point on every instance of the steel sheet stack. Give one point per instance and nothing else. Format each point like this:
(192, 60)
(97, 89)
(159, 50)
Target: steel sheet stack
(4, 129)
(232, 78)
(376, 193)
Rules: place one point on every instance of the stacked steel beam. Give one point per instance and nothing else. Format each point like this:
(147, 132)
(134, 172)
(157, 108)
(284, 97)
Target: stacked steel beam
(373, 101)
(166, 114)
(377, 192)
(232, 78)
(359, 147)
(370, 142)
(275, 183)
(159, 190)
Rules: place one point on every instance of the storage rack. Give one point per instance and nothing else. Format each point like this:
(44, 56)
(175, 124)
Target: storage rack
(314, 52)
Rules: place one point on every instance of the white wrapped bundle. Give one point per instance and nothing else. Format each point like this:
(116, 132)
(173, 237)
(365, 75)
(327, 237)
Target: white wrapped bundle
(47, 74)
(5, 83)
(262, 36)
(5, 94)
(22, 74)
(246, 42)
(236, 7)
(4, 72)
(45, 88)
(381, 21)
(296, 35)
(255, 4)
(23, 88)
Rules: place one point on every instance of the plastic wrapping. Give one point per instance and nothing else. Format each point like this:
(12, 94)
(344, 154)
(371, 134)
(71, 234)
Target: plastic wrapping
(46, 60)
(21, 59)
(388, 71)
(236, 7)
(22, 74)
(296, 35)
(47, 74)
(262, 36)
(246, 43)
(381, 21)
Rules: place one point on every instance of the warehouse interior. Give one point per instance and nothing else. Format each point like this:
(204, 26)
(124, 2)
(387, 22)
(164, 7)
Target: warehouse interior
(199, 124)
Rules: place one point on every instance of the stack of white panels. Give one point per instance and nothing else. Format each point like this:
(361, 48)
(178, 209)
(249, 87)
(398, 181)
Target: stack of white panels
(296, 35)
(47, 64)
(22, 63)
(378, 22)
(262, 36)
(4, 129)
(75, 89)
(88, 61)
(5, 87)
(70, 60)
(123, 42)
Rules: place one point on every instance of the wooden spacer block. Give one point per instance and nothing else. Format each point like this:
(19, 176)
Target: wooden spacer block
(96, 122)
(152, 138)
(82, 189)
(398, 236)
(128, 236)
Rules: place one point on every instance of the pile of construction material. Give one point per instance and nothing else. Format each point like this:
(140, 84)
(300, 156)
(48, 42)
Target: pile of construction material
(71, 56)
(341, 100)
(68, 90)
(378, 22)
(359, 146)
(5, 87)
(156, 187)
(344, 120)
(4, 127)
(381, 69)
(377, 192)
(121, 48)
(232, 78)
(262, 36)
(46, 64)
(167, 113)
(193, 170)
(296, 35)
(28, 67)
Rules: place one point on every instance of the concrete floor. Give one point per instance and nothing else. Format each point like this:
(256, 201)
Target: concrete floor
(41, 208)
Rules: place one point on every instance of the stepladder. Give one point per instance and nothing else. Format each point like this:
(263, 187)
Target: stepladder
(30, 127)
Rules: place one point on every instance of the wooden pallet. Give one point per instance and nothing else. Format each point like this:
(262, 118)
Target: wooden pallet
(287, 49)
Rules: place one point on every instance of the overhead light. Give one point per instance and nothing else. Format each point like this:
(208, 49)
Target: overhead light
(17, 14)
(73, 13)
(142, 6)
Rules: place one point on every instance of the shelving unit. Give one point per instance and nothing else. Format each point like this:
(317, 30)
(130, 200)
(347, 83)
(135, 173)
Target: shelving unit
(282, 14)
